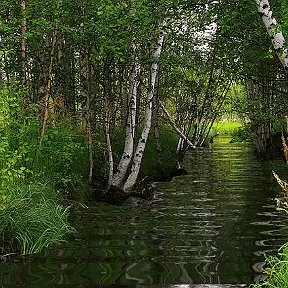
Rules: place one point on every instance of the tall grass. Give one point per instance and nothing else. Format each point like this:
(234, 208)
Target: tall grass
(277, 271)
(32, 218)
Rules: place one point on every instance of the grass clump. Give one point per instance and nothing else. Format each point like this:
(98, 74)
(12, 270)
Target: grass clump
(277, 271)
(32, 218)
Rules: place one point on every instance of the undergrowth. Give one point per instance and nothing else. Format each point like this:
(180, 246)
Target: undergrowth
(34, 178)
(277, 271)
(32, 218)
(38, 176)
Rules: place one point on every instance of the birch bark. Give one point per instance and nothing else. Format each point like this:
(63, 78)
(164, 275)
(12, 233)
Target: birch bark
(138, 154)
(23, 41)
(85, 91)
(126, 158)
(272, 28)
(109, 144)
(155, 121)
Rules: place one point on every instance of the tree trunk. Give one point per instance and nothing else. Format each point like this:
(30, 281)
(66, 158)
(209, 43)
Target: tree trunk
(23, 41)
(85, 80)
(85, 95)
(155, 120)
(108, 143)
(177, 130)
(138, 155)
(272, 28)
(257, 92)
(125, 161)
(49, 83)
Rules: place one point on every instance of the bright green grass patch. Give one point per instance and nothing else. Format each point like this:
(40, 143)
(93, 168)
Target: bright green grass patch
(226, 127)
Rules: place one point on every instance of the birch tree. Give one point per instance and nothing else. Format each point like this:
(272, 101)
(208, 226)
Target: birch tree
(49, 82)
(272, 28)
(23, 41)
(138, 154)
(126, 158)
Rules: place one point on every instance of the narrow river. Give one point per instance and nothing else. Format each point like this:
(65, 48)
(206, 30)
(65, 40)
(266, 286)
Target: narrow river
(212, 226)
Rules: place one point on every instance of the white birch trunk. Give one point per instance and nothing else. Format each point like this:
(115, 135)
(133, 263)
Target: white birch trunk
(177, 130)
(23, 41)
(109, 145)
(272, 28)
(86, 94)
(179, 145)
(85, 90)
(155, 117)
(138, 155)
(126, 158)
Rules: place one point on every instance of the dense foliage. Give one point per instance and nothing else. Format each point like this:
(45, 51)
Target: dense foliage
(86, 84)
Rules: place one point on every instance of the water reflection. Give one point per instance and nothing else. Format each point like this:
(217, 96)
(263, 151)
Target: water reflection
(213, 226)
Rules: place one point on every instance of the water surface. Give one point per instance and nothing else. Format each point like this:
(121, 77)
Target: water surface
(214, 225)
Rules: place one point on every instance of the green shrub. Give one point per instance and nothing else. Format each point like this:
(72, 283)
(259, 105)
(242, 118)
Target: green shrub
(62, 157)
(30, 215)
(242, 134)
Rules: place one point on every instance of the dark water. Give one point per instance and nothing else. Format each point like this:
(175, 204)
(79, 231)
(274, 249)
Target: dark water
(212, 226)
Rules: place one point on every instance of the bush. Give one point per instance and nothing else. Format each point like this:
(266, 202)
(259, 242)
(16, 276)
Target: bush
(242, 134)
(156, 164)
(31, 216)
(62, 159)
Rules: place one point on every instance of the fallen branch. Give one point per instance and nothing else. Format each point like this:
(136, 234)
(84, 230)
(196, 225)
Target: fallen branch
(177, 130)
